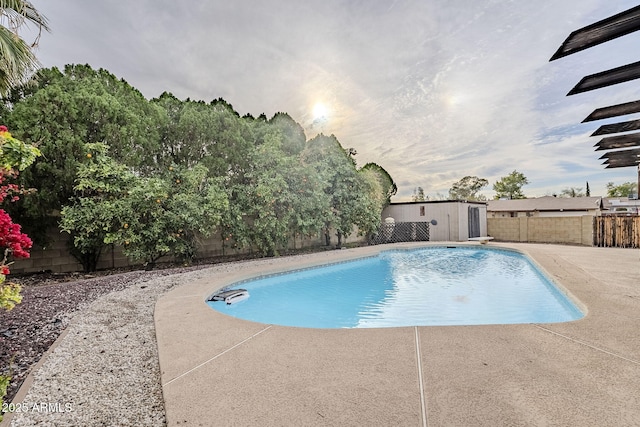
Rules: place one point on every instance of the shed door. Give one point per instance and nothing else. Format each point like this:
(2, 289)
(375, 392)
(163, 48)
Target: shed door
(474, 222)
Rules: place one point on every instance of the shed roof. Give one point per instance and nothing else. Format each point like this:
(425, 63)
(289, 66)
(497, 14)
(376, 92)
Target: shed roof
(429, 202)
(546, 203)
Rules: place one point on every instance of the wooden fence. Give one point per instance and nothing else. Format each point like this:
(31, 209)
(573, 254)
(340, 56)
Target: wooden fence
(617, 231)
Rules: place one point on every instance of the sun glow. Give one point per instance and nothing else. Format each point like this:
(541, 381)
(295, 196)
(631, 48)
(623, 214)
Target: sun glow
(319, 111)
(454, 99)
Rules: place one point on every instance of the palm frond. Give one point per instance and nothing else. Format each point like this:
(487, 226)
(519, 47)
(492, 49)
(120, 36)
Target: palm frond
(16, 13)
(17, 61)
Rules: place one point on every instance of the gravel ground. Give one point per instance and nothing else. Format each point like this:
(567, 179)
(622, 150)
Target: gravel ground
(48, 304)
(105, 371)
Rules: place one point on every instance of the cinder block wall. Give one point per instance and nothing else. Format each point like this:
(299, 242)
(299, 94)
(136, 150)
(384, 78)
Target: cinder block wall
(574, 230)
(554, 230)
(55, 257)
(504, 229)
(587, 230)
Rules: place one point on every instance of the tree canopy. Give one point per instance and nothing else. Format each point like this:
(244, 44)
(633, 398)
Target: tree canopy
(622, 190)
(70, 108)
(157, 165)
(510, 186)
(388, 186)
(572, 192)
(467, 188)
(343, 185)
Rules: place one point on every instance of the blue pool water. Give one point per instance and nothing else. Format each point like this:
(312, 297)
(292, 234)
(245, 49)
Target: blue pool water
(429, 286)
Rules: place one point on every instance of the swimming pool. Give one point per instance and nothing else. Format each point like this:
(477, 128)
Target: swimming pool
(419, 287)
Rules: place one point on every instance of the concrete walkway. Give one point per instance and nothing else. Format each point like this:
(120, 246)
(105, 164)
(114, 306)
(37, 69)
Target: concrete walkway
(217, 370)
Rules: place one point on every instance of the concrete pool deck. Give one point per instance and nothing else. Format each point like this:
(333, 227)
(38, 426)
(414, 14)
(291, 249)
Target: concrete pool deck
(218, 370)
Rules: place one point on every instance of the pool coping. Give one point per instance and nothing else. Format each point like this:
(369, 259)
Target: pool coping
(275, 375)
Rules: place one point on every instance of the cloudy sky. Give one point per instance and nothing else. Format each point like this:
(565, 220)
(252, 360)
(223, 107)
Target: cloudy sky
(432, 90)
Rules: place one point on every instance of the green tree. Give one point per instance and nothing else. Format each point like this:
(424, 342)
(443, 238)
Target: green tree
(213, 135)
(336, 168)
(270, 200)
(273, 196)
(310, 203)
(209, 134)
(167, 214)
(17, 61)
(387, 185)
(378, 188)
(101, 184)
(588, 190)
(622, 190)
(293, 136)
(149, 216)
(80, 105)
(267, 152)
(467, 188)
(281, 195)
(372, 200)
(572, 192)
(510, 186)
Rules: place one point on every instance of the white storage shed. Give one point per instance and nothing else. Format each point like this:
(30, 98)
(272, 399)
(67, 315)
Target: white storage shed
(449, 220)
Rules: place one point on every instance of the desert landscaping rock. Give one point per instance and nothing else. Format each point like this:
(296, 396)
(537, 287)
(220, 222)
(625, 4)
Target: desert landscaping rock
(49, 302)
(105, 371)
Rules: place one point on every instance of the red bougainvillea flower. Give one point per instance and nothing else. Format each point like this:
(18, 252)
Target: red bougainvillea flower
(5, 270)
(3, 128)
(11, 237)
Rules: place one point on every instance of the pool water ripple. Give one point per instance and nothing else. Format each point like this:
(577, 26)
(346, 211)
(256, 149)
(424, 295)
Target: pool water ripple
(430, 286)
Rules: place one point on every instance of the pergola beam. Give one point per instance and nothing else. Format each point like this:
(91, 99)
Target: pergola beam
(617, 127)
(602, 31)
(620, 165)
(620, 141)
(606, 78)
(613, 111)
(633, 154)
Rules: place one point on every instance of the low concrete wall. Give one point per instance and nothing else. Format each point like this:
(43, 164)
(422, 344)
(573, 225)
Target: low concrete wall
(574, 230)
(55, 257)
